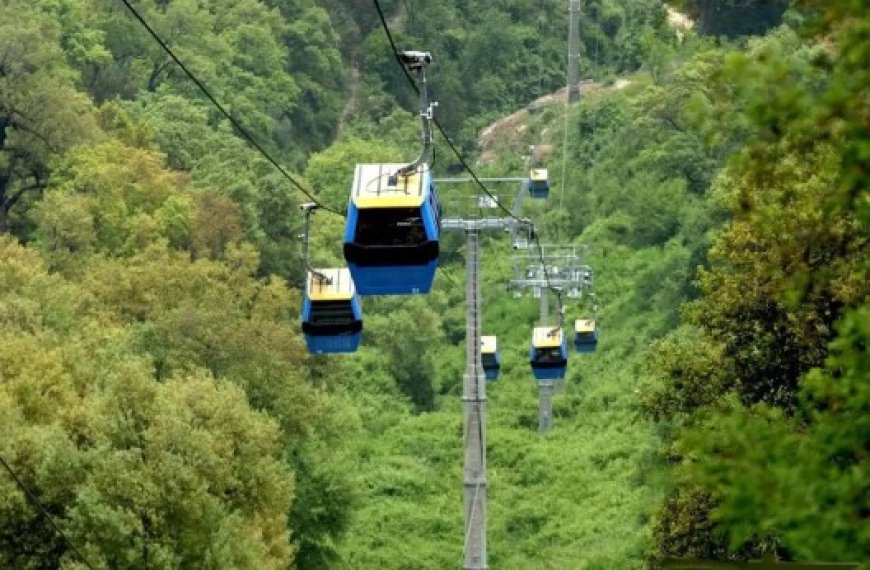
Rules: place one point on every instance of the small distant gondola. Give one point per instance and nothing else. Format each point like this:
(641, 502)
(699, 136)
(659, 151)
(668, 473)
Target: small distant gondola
(539, 185)
(585, 335)
(549, 353)
(392, 231)
(489, 357)
(331, 312)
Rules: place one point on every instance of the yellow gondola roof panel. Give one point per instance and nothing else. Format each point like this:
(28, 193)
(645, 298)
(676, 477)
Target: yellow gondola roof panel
(584, 325)
(378, 186)
(538, 175)
(488, 345)
(547, 337)
(337, 287)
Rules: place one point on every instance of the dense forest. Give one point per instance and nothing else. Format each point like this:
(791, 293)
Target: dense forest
(156, 396)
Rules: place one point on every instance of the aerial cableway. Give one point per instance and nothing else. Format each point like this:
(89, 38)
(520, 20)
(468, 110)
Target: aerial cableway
(392, 242)
(392, 231)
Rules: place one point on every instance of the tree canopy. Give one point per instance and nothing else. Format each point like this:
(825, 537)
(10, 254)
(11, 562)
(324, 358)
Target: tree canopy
(156, 395)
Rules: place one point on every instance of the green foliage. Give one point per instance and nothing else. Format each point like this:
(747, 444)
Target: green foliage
(317, 66)
(112, 199)
(734, 17)
(801, 480)
(41, 111)
(767, 456)
(235, 49)
(139, 473)
(498, 57)
(220, 163)
(154, 388)
(412, 362)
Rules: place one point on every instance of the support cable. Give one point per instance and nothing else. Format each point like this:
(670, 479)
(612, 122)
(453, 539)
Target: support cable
(39, 506)
(565, 148)
(550, 287)
(562, 188)
(471, 516)
(448, 277)
(242, 130)
(596, 63)
(564, 161)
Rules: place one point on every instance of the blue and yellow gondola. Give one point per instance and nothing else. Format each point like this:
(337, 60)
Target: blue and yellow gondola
(549, 353)
(585, 335)
(392, 232)
(539, 185)
(489, 357)
(331, 312)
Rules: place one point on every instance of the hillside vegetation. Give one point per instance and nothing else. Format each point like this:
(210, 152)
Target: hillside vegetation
(156, 396)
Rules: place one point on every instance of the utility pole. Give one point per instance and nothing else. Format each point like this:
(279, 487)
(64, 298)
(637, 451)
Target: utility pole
(474, 382)
(573, 50)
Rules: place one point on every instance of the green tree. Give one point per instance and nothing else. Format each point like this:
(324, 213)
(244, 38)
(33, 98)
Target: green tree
(787, 272)
(734, 17)
(242, 62)
(140, 473)
(316, 64)
(41, 112)
(802, 480)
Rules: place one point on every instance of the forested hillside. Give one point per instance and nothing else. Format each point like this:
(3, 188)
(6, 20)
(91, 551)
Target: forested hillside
(156, 396)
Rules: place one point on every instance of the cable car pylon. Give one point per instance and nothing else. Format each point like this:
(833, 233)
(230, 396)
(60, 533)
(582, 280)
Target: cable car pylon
(474, 383)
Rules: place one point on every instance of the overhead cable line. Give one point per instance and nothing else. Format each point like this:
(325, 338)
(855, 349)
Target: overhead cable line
(437, 124)
(39, 506)
(242, 130)
(455, 150)
(596, 64)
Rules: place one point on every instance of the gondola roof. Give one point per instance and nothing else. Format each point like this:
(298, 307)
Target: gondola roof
(538, 175)
(378, 186)
(547, 337)
(488, 345)
(339, 287)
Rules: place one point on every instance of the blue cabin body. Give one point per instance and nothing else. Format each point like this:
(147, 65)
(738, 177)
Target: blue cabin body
(331, 312)
(489, 357)
(392, 232)
(585, 335)
(549, 353)
(539, 185)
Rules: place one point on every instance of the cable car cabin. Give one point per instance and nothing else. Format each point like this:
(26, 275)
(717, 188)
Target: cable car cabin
(549, 353)
(539, 186)
(393, 225)
(331, 312)
(585, 335)
(489, 357)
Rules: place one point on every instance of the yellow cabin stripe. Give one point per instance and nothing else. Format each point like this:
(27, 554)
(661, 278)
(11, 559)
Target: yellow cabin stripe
(538, 175)
(372, 188)
(388, 202)
(488, 345)
(547, 337)
(584, 326)
(341, 287)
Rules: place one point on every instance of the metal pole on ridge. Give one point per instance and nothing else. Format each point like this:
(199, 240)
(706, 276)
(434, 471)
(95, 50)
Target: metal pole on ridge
(573, 50)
